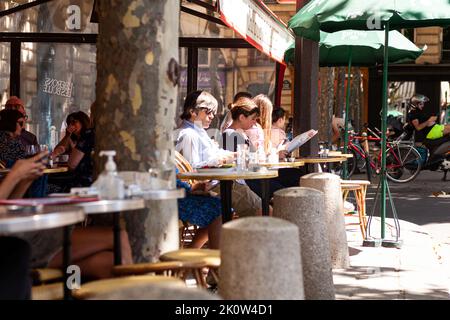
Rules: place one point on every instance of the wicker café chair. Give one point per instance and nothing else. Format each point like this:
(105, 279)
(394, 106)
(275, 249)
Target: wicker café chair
(359, 187)
(187, 230)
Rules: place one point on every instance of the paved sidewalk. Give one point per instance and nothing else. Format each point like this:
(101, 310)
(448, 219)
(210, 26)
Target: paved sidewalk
(415, 271)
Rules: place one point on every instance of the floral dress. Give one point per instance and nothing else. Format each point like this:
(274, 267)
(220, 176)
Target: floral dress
(196, 209)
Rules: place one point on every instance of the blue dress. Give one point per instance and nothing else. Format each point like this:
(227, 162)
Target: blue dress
(197, 210)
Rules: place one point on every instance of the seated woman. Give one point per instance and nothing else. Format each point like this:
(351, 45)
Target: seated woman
(77, 123)
(199, 150)
(201, 209)
(92, 247)
(244, 114)
(287, 177)
(80, 157)
(15, 281)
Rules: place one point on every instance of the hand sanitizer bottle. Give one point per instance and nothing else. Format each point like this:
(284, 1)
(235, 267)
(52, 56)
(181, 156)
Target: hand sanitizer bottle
(111, 186)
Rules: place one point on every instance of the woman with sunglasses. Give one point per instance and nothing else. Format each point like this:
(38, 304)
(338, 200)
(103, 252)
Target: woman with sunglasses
(11, 124)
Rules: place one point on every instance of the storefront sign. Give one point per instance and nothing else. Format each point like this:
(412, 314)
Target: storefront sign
(255, 24)
(58, 87)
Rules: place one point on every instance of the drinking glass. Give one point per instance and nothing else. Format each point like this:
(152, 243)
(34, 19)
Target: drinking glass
(241, 157)
(31, 150)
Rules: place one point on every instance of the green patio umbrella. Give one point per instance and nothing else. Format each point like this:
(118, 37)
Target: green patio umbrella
(367, 48)
(336, 15)
(359, 48)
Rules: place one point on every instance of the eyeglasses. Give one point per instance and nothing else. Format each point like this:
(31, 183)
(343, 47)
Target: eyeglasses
(208, 111)
(21, 123)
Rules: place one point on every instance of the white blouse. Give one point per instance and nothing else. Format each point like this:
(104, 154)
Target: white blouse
(197, 147)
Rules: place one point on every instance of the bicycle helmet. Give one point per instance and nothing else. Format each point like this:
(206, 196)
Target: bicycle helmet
(418, 98)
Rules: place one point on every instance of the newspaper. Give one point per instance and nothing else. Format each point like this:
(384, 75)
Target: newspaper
(300, 140)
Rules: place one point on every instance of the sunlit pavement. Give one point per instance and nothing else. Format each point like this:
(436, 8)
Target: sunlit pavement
(420, 269)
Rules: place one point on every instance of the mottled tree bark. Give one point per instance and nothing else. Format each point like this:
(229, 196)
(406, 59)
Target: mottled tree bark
(137, 82)
(355, 99)
(340, 97)
(326, 102)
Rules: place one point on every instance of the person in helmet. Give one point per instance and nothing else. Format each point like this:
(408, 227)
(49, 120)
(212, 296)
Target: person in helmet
(425, 124)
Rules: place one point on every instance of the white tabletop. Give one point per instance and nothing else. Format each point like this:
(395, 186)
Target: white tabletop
(109, 206)
(26, 218)
(227, 175)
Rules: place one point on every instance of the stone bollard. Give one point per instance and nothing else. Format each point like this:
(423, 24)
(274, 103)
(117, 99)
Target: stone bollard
(260, 259)
(305, 207)
(330, 185)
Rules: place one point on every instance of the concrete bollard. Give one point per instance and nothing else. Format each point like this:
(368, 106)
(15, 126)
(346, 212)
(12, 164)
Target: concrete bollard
(260, 259)
(330, 185)
(305, 207)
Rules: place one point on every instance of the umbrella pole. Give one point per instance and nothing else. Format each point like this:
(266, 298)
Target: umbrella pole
(347, 110)
(383, 178)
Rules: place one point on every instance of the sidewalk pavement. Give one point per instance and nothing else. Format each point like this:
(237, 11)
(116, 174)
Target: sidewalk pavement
(417, 271)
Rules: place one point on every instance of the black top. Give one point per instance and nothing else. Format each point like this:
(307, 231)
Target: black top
(232, 138)
(421, 116)
(27, 138)
(10, 149)
(85, 169)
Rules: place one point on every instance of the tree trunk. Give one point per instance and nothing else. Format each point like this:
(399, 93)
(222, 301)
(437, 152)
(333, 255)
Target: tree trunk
(340, 97)
(326, 101)
(355, 99)
(137, 79)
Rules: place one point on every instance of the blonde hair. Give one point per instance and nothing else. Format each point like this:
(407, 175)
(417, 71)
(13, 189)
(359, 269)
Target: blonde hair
(265, 120)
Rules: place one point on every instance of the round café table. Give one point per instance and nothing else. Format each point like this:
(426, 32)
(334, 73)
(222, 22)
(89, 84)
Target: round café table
(322, 160)
(14, 219)
(226, 179)
(283, 164)
(117, 206)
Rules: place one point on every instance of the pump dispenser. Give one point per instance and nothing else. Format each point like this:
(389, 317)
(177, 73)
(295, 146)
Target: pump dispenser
(109, 184)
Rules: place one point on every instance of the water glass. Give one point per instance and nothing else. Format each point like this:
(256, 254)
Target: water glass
(241, 158)
(31, 150)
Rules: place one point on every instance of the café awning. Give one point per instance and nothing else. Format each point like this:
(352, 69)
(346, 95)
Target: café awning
(258, 25)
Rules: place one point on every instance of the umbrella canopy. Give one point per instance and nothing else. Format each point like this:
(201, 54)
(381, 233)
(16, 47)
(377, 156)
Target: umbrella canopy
(335, 15)
(367, 48)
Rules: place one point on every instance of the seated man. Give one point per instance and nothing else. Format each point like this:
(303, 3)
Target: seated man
(197, 147)
(278, 125)
(26, 137)
(425, 124)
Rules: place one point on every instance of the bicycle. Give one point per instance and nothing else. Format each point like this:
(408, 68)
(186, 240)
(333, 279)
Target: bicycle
(403, 161)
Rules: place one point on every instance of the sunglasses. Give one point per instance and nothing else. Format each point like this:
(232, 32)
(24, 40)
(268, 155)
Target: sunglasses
(208, 111)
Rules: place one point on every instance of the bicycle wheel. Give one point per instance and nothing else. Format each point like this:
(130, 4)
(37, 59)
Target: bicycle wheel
(403, 163)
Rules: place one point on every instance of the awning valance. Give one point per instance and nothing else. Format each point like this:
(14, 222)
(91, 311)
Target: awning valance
(258, 25)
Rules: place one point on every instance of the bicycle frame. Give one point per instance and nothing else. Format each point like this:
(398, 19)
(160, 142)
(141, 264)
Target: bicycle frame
(389, 151)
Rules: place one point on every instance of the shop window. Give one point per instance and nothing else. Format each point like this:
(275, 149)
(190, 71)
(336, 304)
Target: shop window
(5, 63)
(446, 45)
(56, 79)
(257, 58)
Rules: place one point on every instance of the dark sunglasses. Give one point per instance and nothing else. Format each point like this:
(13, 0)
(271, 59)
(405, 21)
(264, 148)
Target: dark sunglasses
(208, 111)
